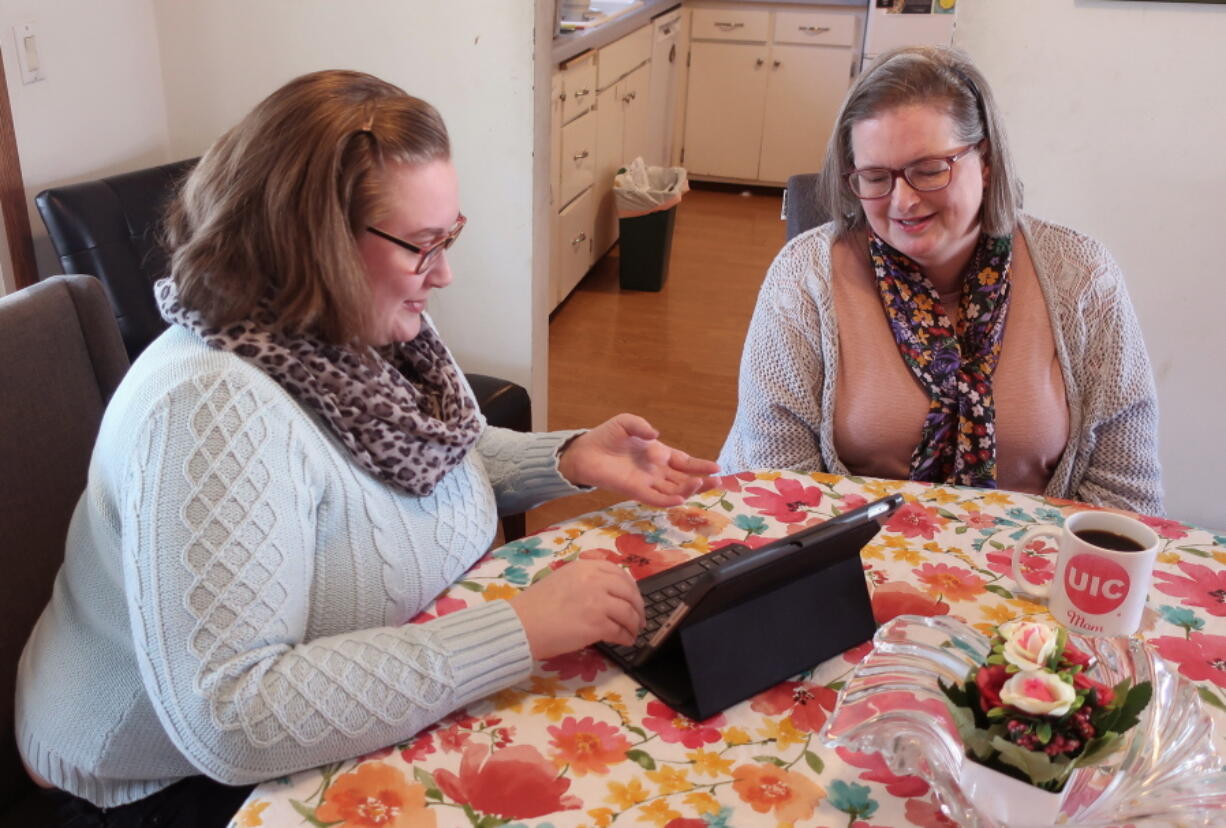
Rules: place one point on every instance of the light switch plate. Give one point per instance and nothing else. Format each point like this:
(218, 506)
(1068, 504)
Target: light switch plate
(27, 53)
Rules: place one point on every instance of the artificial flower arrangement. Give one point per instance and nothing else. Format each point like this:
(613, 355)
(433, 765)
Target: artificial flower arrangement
(1032, 711)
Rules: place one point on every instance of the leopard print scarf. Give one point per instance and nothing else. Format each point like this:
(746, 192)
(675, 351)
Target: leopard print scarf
(403, 412)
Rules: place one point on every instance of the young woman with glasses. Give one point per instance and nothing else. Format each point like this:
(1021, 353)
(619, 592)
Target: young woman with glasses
(292, 471)
(932, 331)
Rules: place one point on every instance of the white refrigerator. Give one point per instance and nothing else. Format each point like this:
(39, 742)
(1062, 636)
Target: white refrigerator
(885, 29)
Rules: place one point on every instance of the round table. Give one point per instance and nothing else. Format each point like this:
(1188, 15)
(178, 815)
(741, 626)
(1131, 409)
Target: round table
(581, 744)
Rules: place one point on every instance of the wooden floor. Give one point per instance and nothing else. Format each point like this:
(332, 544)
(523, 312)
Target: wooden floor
(671, 356)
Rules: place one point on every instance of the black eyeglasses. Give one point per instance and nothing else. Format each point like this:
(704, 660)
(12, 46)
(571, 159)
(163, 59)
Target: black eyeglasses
(427, 254)
(925, 175)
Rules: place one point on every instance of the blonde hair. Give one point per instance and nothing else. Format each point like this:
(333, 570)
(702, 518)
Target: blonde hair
(273, 210)
(934, 76)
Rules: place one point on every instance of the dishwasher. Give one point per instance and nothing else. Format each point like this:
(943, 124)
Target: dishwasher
(662, 93)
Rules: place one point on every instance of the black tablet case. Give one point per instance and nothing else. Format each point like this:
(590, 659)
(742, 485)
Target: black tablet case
(714, 662)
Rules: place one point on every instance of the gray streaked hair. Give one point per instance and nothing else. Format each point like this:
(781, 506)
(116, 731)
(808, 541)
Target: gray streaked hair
(936, 76)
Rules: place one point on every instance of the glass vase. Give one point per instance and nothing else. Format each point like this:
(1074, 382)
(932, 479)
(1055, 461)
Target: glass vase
(1168, 770)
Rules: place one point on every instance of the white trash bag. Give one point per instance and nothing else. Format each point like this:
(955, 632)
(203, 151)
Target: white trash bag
(641, 189)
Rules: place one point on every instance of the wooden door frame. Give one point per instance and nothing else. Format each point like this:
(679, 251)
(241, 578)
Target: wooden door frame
(13, 195)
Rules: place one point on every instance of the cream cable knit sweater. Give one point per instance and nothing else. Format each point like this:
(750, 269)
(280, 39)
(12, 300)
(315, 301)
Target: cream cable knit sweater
(234, 589)
(785, 412)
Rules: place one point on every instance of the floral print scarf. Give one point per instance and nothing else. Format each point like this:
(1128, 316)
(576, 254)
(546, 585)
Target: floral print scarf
(402, 411)
(953, 363)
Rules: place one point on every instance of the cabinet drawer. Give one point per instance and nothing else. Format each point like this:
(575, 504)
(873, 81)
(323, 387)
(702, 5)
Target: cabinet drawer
(578, 87)
(573, 244)
(616, 60)
(822, 28)
(578, 156)
(730, 24)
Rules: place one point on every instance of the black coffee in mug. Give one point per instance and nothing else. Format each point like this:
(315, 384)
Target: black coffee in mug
(1109, 540)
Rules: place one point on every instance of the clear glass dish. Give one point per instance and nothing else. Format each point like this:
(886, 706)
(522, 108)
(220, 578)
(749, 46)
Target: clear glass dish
(1169, 771)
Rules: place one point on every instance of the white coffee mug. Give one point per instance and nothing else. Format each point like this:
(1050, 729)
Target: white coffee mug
(1102, 573)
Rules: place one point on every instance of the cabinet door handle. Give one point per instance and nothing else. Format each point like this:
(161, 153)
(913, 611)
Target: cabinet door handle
(778, 63)
(579, 156)
(814, 29)
(666, 31)
(759, 62)
(562, 97)
(627, 98)
(727, 27)
(578, 240)
(582, 92)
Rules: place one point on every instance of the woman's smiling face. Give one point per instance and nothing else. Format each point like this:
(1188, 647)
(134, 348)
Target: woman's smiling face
(424, 206)
(939, 229)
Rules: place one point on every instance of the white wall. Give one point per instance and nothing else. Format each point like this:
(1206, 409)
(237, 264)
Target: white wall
(1115, 111)
(473, 59)
(100, 110)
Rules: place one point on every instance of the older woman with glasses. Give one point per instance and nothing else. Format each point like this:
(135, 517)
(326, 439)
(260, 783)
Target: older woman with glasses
(292, 471)
(932, 331)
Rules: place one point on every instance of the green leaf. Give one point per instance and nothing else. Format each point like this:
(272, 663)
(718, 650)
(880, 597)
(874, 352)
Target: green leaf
(836, 686)
(308, 814)
(725, 505)
(1209, 697)
(996, 544)
(1194, 551)
(637, 731)
(961, 530)
(540, 573)
(814, 761)
(642, 758)
(945, 513)
(435, 794)
(999, 590)
(424, 777)
(1130, 711)
(773, 760)
(475, 587)
(975, 740)
(1037, 766)
(1043, 731)
(1098, 749)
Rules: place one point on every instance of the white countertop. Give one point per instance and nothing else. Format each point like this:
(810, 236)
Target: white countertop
(566, 46)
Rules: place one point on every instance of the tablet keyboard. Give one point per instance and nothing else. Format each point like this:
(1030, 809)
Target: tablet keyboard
(665, 591)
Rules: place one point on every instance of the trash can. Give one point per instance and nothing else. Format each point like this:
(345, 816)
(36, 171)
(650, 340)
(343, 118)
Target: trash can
(647, 199)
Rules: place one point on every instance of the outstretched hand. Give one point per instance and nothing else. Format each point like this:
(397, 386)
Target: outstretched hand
(623, 455)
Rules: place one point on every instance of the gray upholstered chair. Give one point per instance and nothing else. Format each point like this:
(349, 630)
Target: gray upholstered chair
(61, 356)
(800, 205)
(109, 229)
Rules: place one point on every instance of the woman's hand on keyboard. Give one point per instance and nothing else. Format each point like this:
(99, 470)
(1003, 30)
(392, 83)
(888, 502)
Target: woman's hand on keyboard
(583, 602)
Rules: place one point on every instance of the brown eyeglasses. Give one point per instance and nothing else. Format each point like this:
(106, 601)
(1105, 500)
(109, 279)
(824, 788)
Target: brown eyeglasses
(427, 254)
(925, 175)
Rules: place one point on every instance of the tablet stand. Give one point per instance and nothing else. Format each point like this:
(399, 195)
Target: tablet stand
(767, 638)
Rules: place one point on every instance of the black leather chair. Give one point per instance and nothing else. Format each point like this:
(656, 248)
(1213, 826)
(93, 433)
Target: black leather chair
(109, 228)
(800, 205)
(60, 359)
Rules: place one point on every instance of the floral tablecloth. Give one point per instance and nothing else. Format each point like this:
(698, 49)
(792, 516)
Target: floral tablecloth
(580, 744)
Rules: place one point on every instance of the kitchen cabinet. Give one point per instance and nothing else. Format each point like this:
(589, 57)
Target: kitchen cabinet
(765, 85)
(572, 173)
(623, 74)
(573, 244)
(622, 129)
(599, 120)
